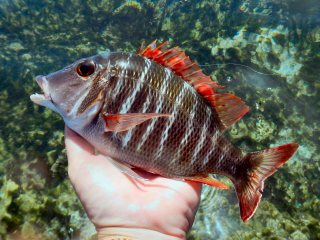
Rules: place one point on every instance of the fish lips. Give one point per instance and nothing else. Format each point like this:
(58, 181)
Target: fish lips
(45, 98)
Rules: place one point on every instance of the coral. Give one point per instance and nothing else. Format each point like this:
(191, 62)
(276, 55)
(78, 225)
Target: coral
(267, 52)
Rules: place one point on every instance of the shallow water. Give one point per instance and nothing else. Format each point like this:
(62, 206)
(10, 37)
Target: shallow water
(267, 52)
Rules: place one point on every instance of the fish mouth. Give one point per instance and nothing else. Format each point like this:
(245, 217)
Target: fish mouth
(41, 98)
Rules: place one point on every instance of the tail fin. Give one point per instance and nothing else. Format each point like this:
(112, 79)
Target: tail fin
(261, 165)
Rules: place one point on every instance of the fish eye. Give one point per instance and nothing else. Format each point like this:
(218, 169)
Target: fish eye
(86, 68)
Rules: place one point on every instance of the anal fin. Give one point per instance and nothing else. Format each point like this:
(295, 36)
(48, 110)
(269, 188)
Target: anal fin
(207, 180)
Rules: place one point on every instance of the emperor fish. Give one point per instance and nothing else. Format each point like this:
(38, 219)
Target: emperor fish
(156, 110)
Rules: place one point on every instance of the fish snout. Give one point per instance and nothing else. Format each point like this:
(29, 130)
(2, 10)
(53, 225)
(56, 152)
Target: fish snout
(43, 84)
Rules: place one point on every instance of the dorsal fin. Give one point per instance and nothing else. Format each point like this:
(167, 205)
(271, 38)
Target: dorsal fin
(229, 107)
(178, 62)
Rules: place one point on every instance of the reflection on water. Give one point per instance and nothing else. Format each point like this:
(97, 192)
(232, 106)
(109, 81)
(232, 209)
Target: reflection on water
(278, 41)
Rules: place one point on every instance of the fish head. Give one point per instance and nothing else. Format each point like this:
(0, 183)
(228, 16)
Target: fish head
(75, 92)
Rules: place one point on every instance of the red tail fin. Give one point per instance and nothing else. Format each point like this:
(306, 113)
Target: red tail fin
(263, 164)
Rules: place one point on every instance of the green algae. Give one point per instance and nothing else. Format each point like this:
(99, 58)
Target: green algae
(273, 37)
(126, 7)
(7, 190)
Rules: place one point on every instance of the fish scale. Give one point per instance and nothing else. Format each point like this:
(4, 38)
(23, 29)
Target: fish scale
(164, 147)
(156, 110)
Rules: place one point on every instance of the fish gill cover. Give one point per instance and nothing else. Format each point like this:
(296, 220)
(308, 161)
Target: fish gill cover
(267, 52)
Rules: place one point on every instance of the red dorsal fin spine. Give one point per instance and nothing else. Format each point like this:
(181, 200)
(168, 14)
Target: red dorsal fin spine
(177, 61)
(229, 107)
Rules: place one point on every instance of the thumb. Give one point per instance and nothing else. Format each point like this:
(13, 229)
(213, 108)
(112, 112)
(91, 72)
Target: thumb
(78, 149)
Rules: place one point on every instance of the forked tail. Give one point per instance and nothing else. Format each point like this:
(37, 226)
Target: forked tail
(261, 165)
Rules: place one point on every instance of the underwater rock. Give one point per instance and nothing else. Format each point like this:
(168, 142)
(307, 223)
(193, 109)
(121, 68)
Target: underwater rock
(15, 46)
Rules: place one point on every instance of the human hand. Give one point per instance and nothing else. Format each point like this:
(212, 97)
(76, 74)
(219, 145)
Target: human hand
(159, 208)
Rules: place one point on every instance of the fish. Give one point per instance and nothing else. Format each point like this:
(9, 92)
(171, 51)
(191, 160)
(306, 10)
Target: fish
(156, 110)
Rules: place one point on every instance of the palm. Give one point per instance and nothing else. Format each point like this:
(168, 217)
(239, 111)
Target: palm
(113, 199)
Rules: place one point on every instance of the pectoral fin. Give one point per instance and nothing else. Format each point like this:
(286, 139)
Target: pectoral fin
(126, 168)
(207, 180)
(123, 122)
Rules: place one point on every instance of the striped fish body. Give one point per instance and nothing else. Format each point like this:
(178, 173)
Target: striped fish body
(156, 110)
(188, 143)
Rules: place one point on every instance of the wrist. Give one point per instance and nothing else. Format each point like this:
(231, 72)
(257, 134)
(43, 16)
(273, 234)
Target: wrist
(119, 233)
